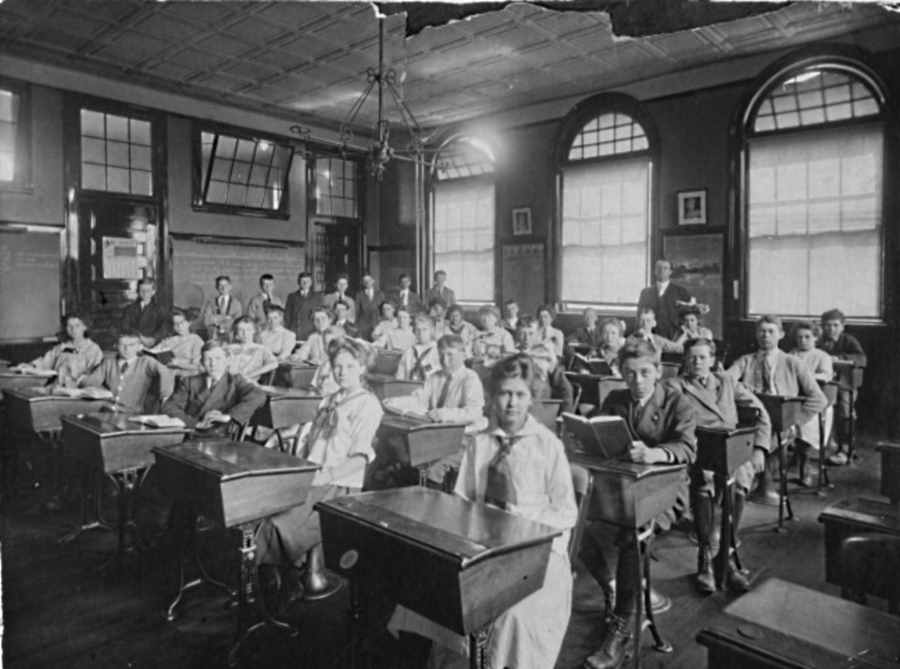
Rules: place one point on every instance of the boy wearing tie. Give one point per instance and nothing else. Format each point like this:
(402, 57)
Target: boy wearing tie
(313, 349)
(259, 305)
(406, 297)
(220, 312)
(341, 285)
(368, 303)
(588, 334)
(144, 315)
(300, 306)
(422, 360)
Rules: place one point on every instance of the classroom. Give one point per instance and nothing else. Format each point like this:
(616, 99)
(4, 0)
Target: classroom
(551, 334)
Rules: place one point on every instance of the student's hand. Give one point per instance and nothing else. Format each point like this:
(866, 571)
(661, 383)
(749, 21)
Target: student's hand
(437, 415)
(643, 454)
(216, 416)
(758, 459)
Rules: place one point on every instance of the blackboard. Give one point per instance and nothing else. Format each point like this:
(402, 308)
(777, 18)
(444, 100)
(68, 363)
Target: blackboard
(29, 283)
(196, 264)
(697, 265)
(524, 275)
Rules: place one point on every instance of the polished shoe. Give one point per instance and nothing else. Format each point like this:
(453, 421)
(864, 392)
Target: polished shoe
(659, 603)
(615, 644)
(705, 579)
(806, 481)
(735, 580)
(838, 459)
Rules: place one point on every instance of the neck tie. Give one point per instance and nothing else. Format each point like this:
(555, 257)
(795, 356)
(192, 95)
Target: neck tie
(418, 371)
(267, 302)
(222, 302)
(768, 380)
(122, 367)
(499, 490)
(442, 398)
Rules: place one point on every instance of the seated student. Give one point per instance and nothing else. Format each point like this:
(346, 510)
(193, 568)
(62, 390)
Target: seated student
(644, 332)
(279, 341)
(588, 334)
(343, 320)
(441, 290)
(132, 377)
(550, 376)
(547, 333)
(817, 362)
(245, 356)
(340, 440)
(661, 422)
(841, 346)
(691, 328)
(210, 401)
(458, 325)
(71, 359)
(341, 284)
(520, 466)
(145, 315)
(421, 360)
(323, 380)
(184, 345)
(219, 312)
(258, 307)
(510, 316)
(715, 397)
(313, 349)
(771, 371)
(387, 315)
(493, 342)
(612, 339)
(401, 338)
(437, 309)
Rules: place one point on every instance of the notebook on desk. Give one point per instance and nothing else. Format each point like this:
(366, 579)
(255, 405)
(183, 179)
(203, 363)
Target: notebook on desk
(602, 436)
(599, 366)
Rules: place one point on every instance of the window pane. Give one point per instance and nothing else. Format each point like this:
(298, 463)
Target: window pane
(118, 180)
(811, 248)
(140, 132)
(336, 187)
(93, 177)
(116, 128)
(116, 153)
(605, 231)
(618, 134)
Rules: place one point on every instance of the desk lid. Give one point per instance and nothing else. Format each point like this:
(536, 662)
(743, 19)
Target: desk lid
(297, 364)
(229, 460)
(408, 423)
(117, 423)
(874, 513)
(277, 392)
(725, 431)
(45, 393)
(465, 531)
(633, 470)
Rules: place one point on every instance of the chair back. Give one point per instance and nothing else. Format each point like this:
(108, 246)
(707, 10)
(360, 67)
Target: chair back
(869, 565)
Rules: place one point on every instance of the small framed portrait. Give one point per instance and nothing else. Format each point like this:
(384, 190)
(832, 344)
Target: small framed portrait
(521, 221)
(692, 207)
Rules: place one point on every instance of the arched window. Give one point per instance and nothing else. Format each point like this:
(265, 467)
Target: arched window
(814, 143)
(606, 186)
(463, 218)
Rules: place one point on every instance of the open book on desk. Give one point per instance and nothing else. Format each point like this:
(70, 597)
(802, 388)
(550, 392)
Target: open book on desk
(163, 357)
(602, 436)
(88, 393)
(597, 366)
(157, 420)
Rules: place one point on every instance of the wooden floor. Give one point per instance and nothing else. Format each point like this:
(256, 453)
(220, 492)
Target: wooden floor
(60, 611)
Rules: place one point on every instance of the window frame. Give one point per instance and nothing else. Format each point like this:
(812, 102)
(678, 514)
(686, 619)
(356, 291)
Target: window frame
(792, 66)
(23, 175)
(200, 186)
(574, 122)
(433, 182)
(358, 165)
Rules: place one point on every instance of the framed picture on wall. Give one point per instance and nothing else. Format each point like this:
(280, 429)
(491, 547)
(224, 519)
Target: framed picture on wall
(521, 221)
(692, 207)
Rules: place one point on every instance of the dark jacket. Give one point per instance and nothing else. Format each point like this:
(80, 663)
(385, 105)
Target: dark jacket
(298, 312)
(667, 318)
(367, 312)
(233, 395)
(151, 321)
(847, 347)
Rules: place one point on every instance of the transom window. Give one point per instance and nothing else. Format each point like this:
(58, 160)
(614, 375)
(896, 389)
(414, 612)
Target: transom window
(464, 218)
(606, 186)
(243, 172)
(9, 125)
(814, 196)
(336, 184)
(116, 153)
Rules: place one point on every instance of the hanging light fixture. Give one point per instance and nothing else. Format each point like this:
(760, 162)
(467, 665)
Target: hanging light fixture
(381, 152)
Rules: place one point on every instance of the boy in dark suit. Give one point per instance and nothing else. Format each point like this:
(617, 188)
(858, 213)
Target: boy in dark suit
(661, 422)
(368, 300)
(300, 307)
(663, 298)
(841, 346)
(145, 315)
(210, 401)
(406, 296)
(440, 290)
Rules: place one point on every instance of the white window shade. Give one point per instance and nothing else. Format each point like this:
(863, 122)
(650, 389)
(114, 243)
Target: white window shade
(815, 222)
(605, 231)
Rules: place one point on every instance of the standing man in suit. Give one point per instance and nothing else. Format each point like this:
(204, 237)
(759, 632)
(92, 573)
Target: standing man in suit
(440, 290)
(300, 307)
(145, 316)
(138, 382)
(220, 312)
(661, 422)
(406, 296)
(258, 308)
(663, 298)
(368, 299)
(211, 400)
(341, 285)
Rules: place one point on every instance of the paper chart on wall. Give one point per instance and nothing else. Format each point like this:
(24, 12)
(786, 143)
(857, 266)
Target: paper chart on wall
(122, 258)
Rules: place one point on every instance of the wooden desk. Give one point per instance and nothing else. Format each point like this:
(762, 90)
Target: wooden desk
(783, 412)
(630, 495)
(849, 377)
(295, 374)
(236, 484)
(14, 381)
(120, 449)
(384, 386)
(854, 516)
(387, 362)
(458, 563)
(416, 442)
(780, 625)
(37, 411)
(669, 370)
(594, 387)
(722, 451)
(285, 407)
(890, 470)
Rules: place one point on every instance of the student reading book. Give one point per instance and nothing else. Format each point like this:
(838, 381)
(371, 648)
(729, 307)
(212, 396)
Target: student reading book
(604, 436)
